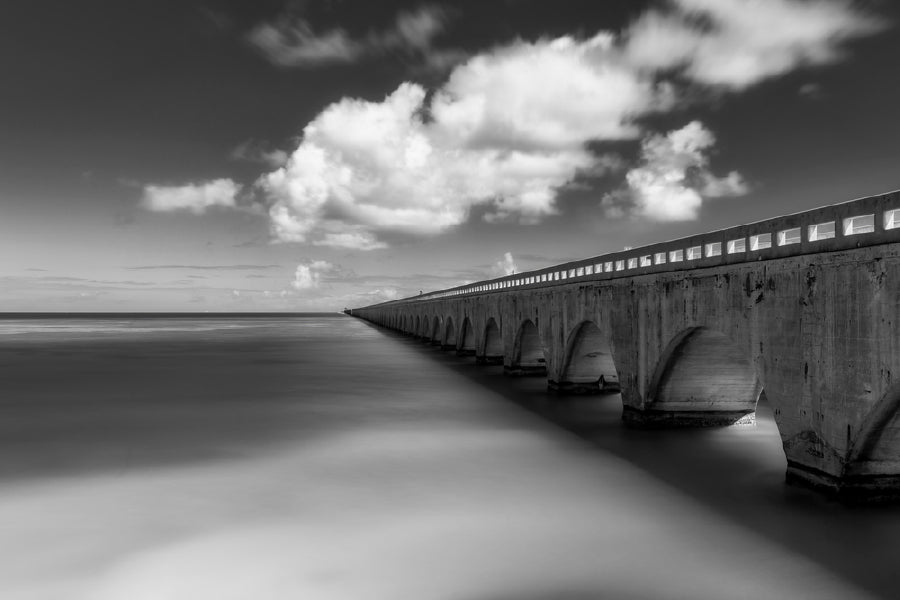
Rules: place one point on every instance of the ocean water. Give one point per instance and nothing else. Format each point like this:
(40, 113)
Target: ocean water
(321, 458)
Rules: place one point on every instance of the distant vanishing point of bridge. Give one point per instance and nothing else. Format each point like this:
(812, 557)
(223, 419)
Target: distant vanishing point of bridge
(803, 308)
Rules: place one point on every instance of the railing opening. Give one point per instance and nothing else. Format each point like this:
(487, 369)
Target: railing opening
(790, 236)
(821, 231)
(760, 242)
(737, 246)
(892, 219)
(858, 225)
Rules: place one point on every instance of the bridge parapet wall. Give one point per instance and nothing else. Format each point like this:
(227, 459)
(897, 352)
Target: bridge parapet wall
(858, 223)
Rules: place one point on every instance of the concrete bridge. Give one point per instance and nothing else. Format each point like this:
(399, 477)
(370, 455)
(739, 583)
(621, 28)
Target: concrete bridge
(803, 308)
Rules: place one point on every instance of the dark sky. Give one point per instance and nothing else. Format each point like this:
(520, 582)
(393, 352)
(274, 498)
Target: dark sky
(153, 154)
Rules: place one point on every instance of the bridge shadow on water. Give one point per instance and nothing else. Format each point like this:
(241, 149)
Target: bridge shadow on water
(736, 472)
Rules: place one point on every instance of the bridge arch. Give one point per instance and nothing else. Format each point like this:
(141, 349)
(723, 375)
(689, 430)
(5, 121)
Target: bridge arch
(529, 356)
(449, 339)
(466, 344)
(435, 334)
(589, 367)
(491, 352)
(417, 327)
(703, 378)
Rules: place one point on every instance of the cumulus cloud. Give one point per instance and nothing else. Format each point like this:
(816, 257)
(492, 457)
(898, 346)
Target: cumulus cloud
(512, 126)
(504, 266)
(309, 274)
(674, 177)
(291, 41)
(506, 130)
(194, 197)
(737, 43)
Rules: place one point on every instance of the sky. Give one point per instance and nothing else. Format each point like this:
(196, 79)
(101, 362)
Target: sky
(279, 155)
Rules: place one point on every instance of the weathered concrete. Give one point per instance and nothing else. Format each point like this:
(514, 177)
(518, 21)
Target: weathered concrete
(696, 346)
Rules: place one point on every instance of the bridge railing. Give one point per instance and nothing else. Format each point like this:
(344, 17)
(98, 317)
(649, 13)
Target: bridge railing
(864, 222)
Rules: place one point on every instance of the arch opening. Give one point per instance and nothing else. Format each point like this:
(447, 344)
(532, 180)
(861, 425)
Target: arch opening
(492, 346)
(417, 327)
(529, 356)
(436, 331)
(703, 379)
(449, 340)
(466, 345)
(589, 367)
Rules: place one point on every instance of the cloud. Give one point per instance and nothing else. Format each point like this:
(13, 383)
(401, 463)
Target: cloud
(204, 267)
(382, 295)
(194, 197)
(506, 131)
(738, 43)
(674, 177)
(510, 127)
(290, 41)
(514, 125)
(308, 274)
(258, 152)
(504, 266)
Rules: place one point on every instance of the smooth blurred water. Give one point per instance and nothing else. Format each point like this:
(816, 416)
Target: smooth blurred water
(321, 458)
